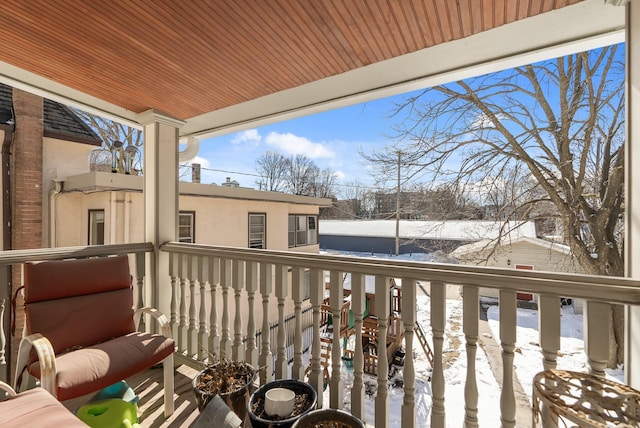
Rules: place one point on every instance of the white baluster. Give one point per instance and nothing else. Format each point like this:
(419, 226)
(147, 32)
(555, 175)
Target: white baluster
(225, 281)
(316, 378)
(192, 330)
(281, 288)
(173, 319)
(358, 306)
(438, 317)
(140, 272)
(238, 284)
(508, 322)
(336, 297)
(409, 319)
(213, 279)
(266, 357)
(470, 327)
(202, 313)
(182, 328)
(297, 284)
(252, 286)
(382, 312)
(549, 322)
(597, 335)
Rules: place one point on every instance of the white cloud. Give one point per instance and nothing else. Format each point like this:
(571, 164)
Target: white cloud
(204, 163)
(250, 136)
(340, 175)
(295, 145)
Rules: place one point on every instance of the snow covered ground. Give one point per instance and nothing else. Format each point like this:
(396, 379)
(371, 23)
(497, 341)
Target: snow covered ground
(528, 362)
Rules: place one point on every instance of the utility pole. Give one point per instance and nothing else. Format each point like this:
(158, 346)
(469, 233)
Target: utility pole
(398, 208)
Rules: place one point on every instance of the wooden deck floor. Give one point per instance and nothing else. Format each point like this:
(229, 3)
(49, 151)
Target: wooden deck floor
(148, 386)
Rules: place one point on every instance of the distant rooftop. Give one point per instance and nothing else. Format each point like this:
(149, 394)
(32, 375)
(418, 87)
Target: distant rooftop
(456, 230)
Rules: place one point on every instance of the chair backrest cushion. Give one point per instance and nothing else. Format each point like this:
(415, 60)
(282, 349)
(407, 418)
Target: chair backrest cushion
(78, 303)
(67, 278)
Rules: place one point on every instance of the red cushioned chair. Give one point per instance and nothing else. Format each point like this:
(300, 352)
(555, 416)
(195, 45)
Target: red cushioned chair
(34, 409)
(80, 329)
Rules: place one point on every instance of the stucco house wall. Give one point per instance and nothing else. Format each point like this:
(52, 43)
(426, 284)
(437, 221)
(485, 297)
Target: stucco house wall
(59, 159)
(218, 221)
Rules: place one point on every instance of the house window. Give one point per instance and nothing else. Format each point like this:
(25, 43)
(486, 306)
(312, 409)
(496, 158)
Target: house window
(187, 226)
(257, 230)
(96, 227)
(303, 230)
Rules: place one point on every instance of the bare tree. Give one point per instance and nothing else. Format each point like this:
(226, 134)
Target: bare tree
(354, 196)
(560, 120)
(298, 175)
(272, 168)
(112, 134)
(301, 175)
(325, 181)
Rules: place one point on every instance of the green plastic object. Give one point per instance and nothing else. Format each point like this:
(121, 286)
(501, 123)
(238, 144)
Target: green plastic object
(117, 390)
(111, 413)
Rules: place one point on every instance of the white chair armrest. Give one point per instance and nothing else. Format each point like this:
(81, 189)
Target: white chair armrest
(162, 320)
(46, 358)
(7, 389)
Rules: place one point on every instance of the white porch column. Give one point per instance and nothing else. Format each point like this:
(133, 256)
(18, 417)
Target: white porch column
(160, 201)
(632, 186)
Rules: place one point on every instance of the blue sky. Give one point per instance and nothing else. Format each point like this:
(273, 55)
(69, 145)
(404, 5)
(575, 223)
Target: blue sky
(331, 139)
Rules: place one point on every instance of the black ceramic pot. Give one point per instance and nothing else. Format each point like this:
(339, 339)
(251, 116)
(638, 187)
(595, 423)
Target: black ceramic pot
(296, 386)
(328, 415)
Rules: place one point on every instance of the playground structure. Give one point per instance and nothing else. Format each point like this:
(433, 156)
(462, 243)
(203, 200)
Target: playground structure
(370, 329)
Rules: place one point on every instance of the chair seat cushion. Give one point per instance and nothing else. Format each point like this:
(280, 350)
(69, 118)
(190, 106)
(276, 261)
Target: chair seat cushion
(36, 408)
(90, 369)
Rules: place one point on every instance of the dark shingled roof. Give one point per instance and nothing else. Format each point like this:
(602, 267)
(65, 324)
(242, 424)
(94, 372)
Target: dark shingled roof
(5, 104)
(60, 121)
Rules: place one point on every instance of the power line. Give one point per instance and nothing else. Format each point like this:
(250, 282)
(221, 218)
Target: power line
(355, 186)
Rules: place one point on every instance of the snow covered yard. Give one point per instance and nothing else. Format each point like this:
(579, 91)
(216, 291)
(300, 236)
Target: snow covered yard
(527, 362)
(528, 357)
(455, 374)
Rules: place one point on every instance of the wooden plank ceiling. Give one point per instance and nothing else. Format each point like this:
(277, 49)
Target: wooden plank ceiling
(190, 57)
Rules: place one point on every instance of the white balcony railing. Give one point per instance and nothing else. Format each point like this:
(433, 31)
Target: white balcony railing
(225, 323)
(247, 292)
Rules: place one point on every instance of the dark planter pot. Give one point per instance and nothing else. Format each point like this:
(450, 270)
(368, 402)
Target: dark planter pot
(236, 400)
(296, 386)
(328, 415)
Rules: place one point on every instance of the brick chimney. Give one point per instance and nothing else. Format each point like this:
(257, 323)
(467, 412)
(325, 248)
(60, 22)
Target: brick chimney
(26, 191)
(27, 171)
(195, 173)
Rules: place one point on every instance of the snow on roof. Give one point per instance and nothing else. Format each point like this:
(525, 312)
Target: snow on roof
(485, 244)
(457, 230)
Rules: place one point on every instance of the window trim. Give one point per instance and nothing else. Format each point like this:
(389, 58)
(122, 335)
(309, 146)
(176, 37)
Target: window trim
(192, 214)
(91, 212)
(307, 230)
(264, 229)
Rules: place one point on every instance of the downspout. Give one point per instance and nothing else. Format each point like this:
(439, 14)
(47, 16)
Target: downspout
(112, 215)
(6, 187)
(127, 217)
(53, 220)
(5, 305)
